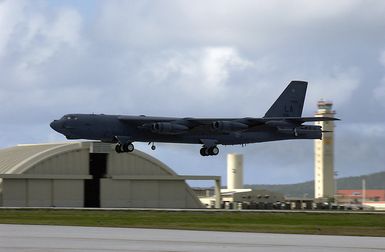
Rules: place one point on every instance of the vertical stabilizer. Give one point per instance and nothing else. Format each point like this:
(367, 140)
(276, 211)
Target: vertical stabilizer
(290, 102)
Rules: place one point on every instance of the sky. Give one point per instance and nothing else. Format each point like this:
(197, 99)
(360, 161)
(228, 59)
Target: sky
(216, 58)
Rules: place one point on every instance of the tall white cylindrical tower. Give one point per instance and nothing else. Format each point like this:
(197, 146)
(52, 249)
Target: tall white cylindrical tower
(234, 171)
(324, 154)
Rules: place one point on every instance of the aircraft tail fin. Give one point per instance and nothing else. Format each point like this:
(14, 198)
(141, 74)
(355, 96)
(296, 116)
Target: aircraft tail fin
(290, 102)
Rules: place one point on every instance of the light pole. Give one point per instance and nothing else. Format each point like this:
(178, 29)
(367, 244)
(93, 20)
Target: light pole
(335, 186)
(363, 191)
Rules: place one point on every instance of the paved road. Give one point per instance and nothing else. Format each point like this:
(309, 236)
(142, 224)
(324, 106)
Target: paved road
(16, 238)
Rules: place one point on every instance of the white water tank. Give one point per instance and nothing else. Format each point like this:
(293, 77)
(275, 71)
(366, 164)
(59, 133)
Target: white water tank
(234, 171)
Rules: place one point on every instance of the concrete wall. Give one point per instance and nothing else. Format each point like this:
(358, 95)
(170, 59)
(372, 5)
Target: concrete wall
(43, 193)
(146, 193)
(129, 164)
(134, 180)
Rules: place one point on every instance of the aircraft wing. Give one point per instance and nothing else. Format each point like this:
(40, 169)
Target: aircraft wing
(188, 121)
(167, 125)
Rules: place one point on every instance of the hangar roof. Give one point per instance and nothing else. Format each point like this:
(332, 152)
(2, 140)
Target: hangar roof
(16, 159)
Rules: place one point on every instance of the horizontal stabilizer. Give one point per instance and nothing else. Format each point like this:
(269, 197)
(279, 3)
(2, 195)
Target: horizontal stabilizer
(315, 119)
(255, 121)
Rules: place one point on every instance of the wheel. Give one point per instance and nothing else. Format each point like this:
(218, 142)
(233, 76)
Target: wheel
(131, 147)
(203, 152)
(153, 147)
(118, 148)
(213, 151)
(128, 147)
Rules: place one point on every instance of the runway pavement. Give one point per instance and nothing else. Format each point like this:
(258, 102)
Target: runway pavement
(63, 238)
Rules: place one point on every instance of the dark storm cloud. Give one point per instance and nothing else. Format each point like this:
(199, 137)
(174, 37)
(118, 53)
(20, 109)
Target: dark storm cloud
(207, 58)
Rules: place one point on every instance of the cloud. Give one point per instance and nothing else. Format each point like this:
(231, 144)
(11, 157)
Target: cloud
(359, 148)
(204, 59)
(216, 64)
(10, 15)
(34, 39)
(379, 91)
(374, 130)
(335, 84)
(203, 72)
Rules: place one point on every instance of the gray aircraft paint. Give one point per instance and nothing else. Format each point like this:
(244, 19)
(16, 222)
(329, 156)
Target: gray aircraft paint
(282, 121)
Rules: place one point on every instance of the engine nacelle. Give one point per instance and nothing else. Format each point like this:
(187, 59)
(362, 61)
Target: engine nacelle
(168, 128)
(228, 126)
(308, 129)
(303, 130)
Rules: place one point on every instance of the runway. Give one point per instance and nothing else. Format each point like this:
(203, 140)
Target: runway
(63, 238)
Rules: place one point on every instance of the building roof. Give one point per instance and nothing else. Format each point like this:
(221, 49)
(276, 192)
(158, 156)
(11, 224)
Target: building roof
(379, 194)
(18, 159)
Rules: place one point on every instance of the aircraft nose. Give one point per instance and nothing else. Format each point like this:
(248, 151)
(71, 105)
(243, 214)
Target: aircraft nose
(55, 124)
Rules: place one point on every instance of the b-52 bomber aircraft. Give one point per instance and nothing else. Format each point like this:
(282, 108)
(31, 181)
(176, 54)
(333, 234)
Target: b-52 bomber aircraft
(282, 121)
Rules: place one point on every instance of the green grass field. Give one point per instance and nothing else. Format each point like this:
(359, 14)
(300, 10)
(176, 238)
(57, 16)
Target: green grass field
(290, 222)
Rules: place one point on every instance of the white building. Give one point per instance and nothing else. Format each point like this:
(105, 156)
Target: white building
(234, 171)
(324, 154)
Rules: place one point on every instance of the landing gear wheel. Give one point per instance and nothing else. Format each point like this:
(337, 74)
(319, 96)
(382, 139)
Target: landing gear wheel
(118, 148)
(213, 151)
(128, 147)
(153, 147)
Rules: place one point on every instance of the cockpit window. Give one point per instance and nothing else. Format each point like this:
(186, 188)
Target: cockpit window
(70, 117)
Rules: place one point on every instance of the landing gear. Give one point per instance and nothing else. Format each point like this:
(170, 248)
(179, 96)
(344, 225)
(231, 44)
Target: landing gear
(211, 151)
(127, 147)
(118, 148)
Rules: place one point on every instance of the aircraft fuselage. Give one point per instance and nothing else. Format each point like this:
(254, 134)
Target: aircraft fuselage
(107, 127)
(282, 121)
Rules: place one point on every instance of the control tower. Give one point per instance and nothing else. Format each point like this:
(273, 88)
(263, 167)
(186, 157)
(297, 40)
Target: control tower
(324, 154)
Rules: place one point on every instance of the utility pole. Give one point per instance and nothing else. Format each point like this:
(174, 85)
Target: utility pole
(335, 187)
(363, 191)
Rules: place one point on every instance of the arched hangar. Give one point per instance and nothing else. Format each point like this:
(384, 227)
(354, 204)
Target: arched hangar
(88, 174)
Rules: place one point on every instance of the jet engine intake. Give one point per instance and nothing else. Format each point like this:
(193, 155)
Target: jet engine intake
(168, 128)
(228, 126)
